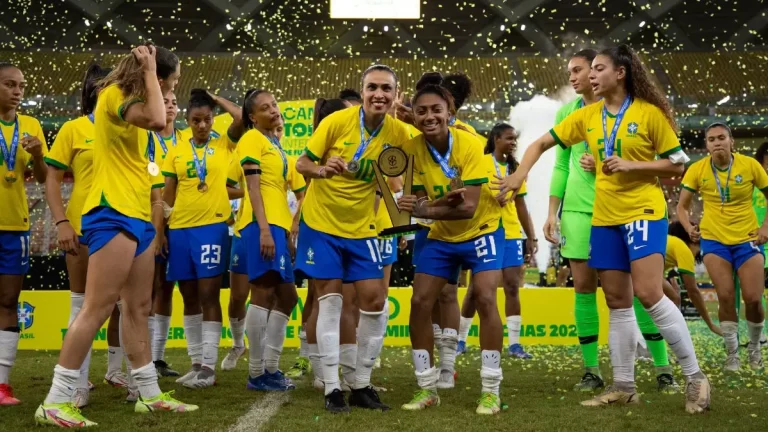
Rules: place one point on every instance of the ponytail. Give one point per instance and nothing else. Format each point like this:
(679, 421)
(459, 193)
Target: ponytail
(90, 88)
(248, 100)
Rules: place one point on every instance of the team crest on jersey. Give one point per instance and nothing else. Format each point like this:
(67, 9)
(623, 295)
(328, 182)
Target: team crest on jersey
(386, 146)
(310, 256)
(632, 129)
(210, 151)
(738, 179)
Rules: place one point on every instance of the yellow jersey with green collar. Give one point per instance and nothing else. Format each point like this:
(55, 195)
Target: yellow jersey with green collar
(732, 222)
(73, 150)
(512, 228)
(193, 208)
(343, 205)
(678, 256)
(120, 177)
(158, 181)
(467, 157)
(296, 182)
(236, 178)
(643, 135)
(256, 148)
(14, 211)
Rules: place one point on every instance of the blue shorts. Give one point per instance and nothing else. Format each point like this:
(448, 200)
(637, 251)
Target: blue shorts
(445, 259)
(326, 256)
(615, 247)
(737, 255)
(388, 250)
(420, 238)
(239, 256)
(14, 252)
(102, 224)
(197, 252)
(257, 266)
(513, 253)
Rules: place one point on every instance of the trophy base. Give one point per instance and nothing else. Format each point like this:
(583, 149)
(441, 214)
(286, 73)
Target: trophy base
(400, 230)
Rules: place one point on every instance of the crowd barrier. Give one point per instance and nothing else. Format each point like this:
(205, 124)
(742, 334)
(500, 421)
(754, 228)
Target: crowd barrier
(547, 319)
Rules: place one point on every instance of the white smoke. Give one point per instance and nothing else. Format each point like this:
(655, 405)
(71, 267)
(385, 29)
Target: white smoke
(532, 119)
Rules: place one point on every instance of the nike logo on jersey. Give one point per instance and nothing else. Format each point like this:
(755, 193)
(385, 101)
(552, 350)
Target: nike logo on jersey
(590, 129)
(485, 260)
(639, 247)
(211, 267)
(349, 143)
(88, 141)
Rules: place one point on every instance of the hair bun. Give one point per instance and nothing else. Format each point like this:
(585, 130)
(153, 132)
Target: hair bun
(429, 78)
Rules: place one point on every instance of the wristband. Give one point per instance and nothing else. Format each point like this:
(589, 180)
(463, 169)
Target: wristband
(62, 221)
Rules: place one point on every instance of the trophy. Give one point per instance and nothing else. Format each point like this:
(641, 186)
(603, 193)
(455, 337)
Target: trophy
(394, 162)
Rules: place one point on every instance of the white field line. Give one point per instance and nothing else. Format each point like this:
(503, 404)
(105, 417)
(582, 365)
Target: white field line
(260, 413)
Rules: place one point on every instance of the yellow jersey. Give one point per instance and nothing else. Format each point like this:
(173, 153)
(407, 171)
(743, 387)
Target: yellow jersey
(513, 230)
(296, 182)
(343, 205)
(236, 178)
(678, 256)
(467, 157)
(732, 222)
(193, 208)
(120, 158)
(73, 150)
(170, 141)
(256, 148)
(14, 212)
(644, 134)
(221, 124)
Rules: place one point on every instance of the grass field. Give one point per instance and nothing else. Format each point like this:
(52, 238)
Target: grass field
(537, 391)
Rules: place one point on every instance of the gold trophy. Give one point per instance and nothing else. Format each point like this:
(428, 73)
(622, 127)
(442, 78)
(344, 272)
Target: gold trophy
(394, 162)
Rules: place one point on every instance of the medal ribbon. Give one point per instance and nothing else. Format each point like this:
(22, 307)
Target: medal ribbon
(276, 144)
(200, 167)
(443, 161)
(91, 118)
(364, 142)
(720, 190)
(10, 155)
(610, 140)
(452, 121)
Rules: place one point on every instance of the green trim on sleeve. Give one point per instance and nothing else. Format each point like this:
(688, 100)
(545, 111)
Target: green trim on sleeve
(124, 107)
(158, 185)
(54, 163)
(415, 188)
(689, 188)
(301, 189)
(557, 139)
(169, 174)
(669, 152)
(764, 189)
(249, 159)
(479, 181)
(231, 182)
(522, 194)
(311, 155)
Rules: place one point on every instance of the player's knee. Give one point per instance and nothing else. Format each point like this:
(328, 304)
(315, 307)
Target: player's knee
(485, 299)
(448, 296)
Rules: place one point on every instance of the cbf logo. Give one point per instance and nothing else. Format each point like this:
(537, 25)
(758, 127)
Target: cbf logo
(235, 259)
(210, 151)
(26, 315)
(632, 129)
(739, 179)
(310, 256)
(282, 262)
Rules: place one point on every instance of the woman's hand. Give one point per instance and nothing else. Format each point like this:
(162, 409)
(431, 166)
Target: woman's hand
(146, 56)
(510, 183)
(68, 241)
(267, 244)
(587, 162)
(616, 164)
(550, 230)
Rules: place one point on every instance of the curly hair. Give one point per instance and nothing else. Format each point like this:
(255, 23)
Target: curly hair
(638, 82)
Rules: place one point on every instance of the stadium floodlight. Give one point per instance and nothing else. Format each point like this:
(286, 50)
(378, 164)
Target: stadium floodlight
(723, 100)
(375, 9)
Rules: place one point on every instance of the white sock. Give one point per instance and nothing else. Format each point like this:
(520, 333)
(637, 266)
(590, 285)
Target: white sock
(464, 326)
(347, 362)
(160, 338)
(450, 340)
(513, 329)
(755, 330)
(9, 343)
(114, 360)
(76, 301)
(276, 325)
(151, 325)
(328, 323)
(63, 385)
(372, 327)
(730, 336)
(314, 360)
(146, 379)
(256, 324)
(671, 324)
(490, 373)
(237, 327)
(303, 346)
(622, 341)
(426, 376)
(211, 339)
(193, 329)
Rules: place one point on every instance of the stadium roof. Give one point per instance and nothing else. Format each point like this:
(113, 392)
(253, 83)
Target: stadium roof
(452, 27)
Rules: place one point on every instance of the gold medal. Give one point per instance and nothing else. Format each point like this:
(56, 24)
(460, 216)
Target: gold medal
(153, 169)
(202, 187)
(10, 177)
(456, 183)
(606, 170)
(353, 166)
